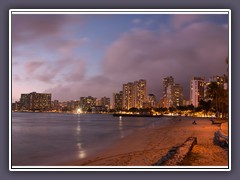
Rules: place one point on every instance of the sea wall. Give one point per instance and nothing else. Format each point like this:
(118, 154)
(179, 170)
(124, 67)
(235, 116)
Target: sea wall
(220, 139)
(177, 154)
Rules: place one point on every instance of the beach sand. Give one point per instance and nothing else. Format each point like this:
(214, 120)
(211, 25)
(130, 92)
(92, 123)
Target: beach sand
(146, 146)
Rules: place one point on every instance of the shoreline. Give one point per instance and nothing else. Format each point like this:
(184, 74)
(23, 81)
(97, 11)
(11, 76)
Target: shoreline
(144, 147)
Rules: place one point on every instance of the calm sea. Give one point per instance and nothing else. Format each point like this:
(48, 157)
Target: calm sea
(53, 138)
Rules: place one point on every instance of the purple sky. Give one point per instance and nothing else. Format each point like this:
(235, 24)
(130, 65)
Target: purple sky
(79, 55)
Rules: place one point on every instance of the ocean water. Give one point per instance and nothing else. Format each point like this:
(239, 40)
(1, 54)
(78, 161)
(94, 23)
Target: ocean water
(46, 139)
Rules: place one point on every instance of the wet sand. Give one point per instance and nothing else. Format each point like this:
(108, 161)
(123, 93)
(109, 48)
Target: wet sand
(146, 146)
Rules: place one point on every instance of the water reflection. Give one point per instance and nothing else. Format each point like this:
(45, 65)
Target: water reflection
(76, 135)
(120, 127)
(81, 152)
(78, 129)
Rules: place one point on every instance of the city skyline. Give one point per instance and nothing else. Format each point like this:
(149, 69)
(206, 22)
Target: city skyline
(95, 54)
(134, 95)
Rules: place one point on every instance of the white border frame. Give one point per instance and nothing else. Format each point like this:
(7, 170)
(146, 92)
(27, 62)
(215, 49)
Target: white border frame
(117, 11)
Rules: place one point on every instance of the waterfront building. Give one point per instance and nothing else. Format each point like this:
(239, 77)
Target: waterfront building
(35, 101)
(134, 94)
(167, 100)
(73, 105)
(219, 79)
(172, 93)
(169, 96)
(86, 103)
(105, 102)
(196, 90)
(56, 105)
(186, 102)
(128, 93)
(140, 93)
(222, 81)
(15, 106)
(152, 100)
(167, 81)
(99, 109)
(163, 102)
(177, 95)
(118, 100)
(98, 102)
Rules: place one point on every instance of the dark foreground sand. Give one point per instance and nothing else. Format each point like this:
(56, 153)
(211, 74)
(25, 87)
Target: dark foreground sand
(146, 146)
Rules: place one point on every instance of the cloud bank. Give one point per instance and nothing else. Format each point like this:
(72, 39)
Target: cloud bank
(198, 49)
(46, 54)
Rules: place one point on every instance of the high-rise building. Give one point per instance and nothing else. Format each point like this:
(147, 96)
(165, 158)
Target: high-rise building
(169, 96)
(105, 102)
(56, 105)
(172, 93)
(15, 106)
(168, 81)
(128, 93)
(196, 90)
(35, 101)
(118, 100)
(134, 94)
(73, 105)
(152, 101)
(140, 93)
(219, 79)
(98, 102)
(177, 95)
(86, 103)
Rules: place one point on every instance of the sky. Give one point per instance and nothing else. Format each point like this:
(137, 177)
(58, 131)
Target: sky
(75, 55)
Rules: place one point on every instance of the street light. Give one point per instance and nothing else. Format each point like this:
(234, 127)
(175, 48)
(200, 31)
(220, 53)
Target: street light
(79, 110)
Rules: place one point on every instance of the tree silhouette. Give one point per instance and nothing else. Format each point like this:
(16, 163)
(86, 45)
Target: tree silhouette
(219, 97)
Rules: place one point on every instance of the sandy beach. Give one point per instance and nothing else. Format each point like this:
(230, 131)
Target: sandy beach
(145, 147)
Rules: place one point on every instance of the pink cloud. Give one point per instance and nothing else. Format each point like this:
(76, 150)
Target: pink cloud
(32, 27)
(77, 72)
(198, 49)
(69, 69)
(66, 46)
(179, 20)
(16, 78)
(32, 66)
(97, 86)
(136, 21)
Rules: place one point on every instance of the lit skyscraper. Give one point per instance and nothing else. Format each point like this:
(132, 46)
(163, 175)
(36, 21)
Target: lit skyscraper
(35, 101)
(152, 100)
(168, 81)
(178, 95)
(172, 93)
(105, 102)
(134, 94)
(118, 100)
(219, 79)
(166, 100)
(140, 93)
(86, 103)
(196, 90)
(128, 93)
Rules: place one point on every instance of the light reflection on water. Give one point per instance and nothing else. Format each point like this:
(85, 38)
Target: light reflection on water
(120, 127)
(51, 138)
(81, 152)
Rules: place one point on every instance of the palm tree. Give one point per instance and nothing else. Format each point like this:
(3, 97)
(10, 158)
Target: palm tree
(223, 102)
(219, 98)
(205, 105)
